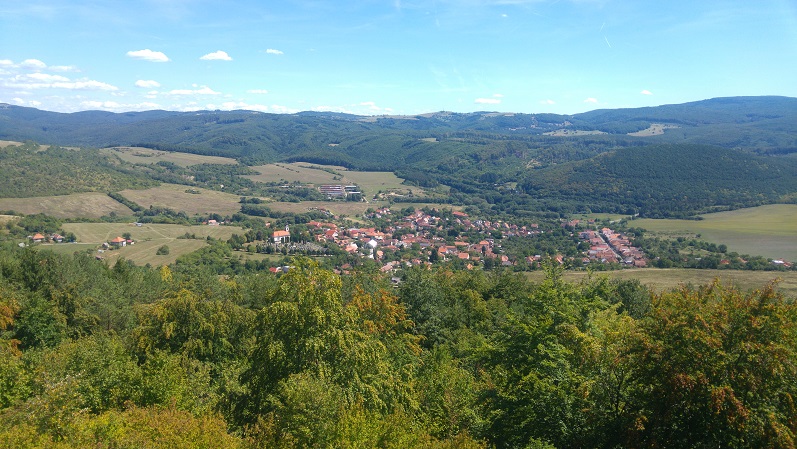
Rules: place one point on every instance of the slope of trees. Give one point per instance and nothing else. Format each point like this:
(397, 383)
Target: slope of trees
(667, 181)
(126, 356)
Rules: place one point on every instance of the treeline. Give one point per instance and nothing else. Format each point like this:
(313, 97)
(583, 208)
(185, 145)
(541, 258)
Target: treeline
(672, 181)
(126, 356)
(26, 171)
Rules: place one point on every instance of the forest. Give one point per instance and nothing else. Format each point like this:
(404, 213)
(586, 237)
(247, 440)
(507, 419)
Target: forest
(130, 356)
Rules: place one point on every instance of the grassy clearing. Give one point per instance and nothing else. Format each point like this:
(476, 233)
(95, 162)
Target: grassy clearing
(6, 218)
(348, 208)
(369, 182)
(175, 197)
(769, 231)
(88, 205)
(669, 278)
(138, 155)
(148, 238)
(295, 172)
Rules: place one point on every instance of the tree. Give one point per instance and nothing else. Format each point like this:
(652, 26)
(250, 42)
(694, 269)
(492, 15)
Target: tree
(716, 369)
(307, 329)
(163, 251)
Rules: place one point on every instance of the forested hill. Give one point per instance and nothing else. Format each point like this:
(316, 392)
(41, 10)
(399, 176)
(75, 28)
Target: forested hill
(763, 125)
(667, 180)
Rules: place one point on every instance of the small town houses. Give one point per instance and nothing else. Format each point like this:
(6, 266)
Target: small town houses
(420, 231)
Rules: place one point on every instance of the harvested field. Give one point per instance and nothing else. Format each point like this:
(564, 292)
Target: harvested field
(148, 238)
(369, 182)
(669, 278)
(138, 155)
(176, 197)
(76, 205)
(769, 231)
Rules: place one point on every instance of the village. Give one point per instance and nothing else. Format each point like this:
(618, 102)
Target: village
(428, 236)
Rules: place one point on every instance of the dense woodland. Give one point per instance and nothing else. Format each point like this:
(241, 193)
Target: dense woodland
(128, 356)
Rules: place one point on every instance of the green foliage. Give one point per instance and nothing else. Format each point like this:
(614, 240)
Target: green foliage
(57, 171)
(92, 356)
(163, 250)
(667, 181)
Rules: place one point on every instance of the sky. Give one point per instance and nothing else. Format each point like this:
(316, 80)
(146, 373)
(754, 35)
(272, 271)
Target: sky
(392, 57)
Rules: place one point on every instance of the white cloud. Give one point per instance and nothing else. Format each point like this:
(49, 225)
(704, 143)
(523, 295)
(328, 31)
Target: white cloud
(272, 51)
(47, 81)
(547, 102)
(591, 100)
(487, 101)
(646, 92)
(217, 56)
(282, 109)
(257, 91)
(240, 105)
(498, 95)
(203, 90)
(33, 63)
(6, 62)
(44, 77)
(148, 55)
(114, 106)
(63, 68)
(147, 84)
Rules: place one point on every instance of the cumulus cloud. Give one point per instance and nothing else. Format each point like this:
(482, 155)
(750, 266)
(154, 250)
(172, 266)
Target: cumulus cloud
(591, 100)
(257, 91)
(44, 77)
(33, 63)
(272, 51)
(498, 95)
(63, 68)
(48, 81)
(646, 92)
(547, 102)
(198, 90)
(114, 106)
(148, 55)
(487, 101)
(147, 84)
(217, 56)
(36, 65)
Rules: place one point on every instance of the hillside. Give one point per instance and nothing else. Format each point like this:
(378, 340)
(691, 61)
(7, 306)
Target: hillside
(667, 181)
(501, 163)
(756, 124)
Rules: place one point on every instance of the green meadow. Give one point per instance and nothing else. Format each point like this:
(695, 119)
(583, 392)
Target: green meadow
(148, 238)
(769, 231)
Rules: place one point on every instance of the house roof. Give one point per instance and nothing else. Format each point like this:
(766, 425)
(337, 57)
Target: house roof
(118, 240)
(281, 233)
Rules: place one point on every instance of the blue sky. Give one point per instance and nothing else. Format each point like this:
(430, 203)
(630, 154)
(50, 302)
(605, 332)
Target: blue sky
(392, 57)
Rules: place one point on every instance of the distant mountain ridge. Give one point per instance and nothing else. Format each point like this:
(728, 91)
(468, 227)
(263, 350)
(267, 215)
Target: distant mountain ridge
(764, 125)
(716, 154)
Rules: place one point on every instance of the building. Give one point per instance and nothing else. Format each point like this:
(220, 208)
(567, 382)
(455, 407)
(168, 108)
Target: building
(282, 236)
(332, 190)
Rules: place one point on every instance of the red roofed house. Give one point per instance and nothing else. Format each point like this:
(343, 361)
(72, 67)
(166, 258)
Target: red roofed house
(282, 236)
(119, 241)
(38, 238)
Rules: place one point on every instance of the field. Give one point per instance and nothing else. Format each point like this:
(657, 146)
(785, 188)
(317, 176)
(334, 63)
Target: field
(660, 280)
(148, 238)
(369, 182)
(769, 231)
(175, 197)
(653, 130)
(137, 155)
(87, 205)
